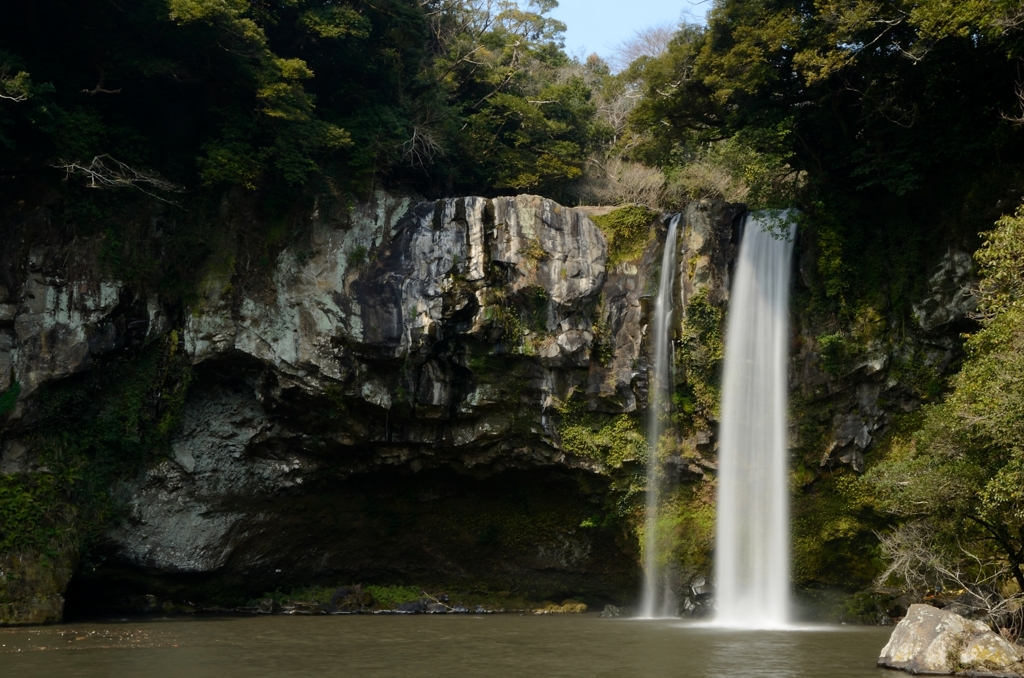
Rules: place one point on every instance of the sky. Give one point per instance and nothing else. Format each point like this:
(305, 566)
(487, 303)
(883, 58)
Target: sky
(600, 25)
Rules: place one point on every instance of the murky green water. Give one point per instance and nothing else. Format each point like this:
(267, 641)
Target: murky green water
(496, 646)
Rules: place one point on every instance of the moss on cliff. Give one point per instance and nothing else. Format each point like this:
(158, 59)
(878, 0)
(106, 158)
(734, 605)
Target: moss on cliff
(699, 355)
(613, 440)
(627, 230)
(837, 517)
(91, 430)
(833, 533)
(32, 586)
(686, 528)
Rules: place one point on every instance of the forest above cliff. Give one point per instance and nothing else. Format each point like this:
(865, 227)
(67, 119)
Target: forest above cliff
(895, 125)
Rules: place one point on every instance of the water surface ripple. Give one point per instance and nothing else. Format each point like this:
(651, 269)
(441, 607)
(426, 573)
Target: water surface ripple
(498, 646)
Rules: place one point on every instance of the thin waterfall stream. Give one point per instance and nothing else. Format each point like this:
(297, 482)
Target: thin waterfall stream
(752, 535)
(658, 398)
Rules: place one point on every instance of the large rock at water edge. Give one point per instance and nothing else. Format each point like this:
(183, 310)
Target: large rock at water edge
(930, 640)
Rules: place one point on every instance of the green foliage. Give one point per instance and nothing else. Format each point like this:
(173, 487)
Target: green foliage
(92, 430)
(834, 526)
(627, 230)
(699, 353)
(792, 102)
(389, 597)
(603, 346)
(962, 473)
(1001, 263)
(534, 251)
(9, 398)
(520, 318)
(31, 513)
(357, 256)
(832, 267)
(504, 315)
(752, 167)
(837, 517)
(277, 96)
(913, 369)
(526, 125)
(835, 353)
(613, 440)
(686, 527)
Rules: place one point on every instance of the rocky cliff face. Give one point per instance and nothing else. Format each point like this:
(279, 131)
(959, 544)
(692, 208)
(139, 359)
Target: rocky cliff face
(438, 392)
(383, 403)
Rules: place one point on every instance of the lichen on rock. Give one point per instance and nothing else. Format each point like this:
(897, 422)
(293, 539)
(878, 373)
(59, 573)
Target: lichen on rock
(930, 640)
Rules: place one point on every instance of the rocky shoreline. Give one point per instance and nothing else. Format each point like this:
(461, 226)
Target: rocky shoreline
(359, 600)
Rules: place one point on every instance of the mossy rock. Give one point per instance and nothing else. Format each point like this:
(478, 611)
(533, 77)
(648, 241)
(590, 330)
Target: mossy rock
(32, 587)
(628, 230)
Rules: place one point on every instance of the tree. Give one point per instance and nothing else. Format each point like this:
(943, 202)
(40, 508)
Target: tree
(527, 116)
(964, 475)
(647, 42)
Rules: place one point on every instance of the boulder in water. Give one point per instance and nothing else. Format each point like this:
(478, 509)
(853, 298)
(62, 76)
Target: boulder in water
(930, 640)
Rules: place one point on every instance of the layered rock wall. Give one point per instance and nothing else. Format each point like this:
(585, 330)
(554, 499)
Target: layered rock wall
(402, 352)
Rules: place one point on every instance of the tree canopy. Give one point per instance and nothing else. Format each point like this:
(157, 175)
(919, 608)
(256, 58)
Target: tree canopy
(890, 122)
(437, 94)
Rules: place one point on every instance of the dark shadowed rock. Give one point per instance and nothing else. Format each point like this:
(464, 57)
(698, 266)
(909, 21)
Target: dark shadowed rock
(412, 606)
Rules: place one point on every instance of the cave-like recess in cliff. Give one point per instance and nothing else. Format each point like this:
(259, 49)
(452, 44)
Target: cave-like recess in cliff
(264, 489)
(534, 533)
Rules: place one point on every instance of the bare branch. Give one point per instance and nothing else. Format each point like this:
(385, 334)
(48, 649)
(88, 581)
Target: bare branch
(1013, 19)
(619, 182)
(976, 584)
(104, 171)
(98, 89)
(422, 147)
(646, 42)
(1018, 119)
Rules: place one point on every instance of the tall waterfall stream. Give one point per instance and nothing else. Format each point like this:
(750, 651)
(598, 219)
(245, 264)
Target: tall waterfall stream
(752, 535)
(659, 397)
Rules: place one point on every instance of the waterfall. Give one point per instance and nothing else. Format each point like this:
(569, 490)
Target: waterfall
(658, 397)
(752, 537)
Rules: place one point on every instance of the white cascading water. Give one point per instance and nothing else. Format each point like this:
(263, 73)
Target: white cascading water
(752, 536)
(658, 394)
